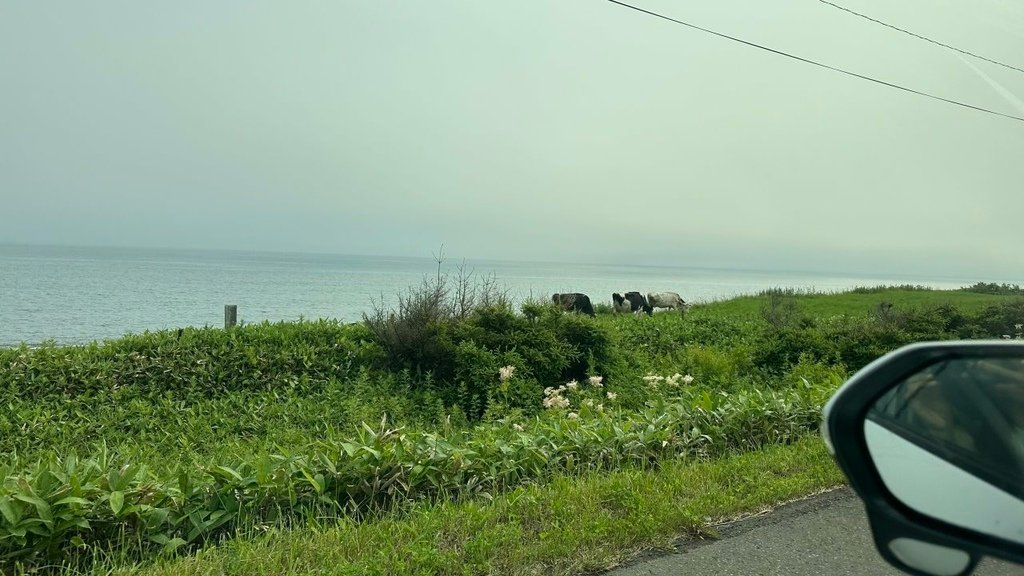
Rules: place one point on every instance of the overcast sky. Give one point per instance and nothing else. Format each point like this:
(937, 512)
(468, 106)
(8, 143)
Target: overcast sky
(564, 130)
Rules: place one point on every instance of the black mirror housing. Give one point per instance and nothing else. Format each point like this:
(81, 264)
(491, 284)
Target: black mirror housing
(885, 421)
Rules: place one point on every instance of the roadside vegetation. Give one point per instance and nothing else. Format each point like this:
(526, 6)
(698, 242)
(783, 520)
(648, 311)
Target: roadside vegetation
(245, 450)
(571, 524)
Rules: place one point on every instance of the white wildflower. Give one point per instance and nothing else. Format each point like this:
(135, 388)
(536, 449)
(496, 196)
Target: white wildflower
(518, 427)
(588, 403)
(596, 381)
(573, 416)
(687, 379)
(556, 401)
(612, 395)
(573, 385)
(506, 372)
(549, 391)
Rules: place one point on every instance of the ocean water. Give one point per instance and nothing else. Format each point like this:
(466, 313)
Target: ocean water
(75, 294)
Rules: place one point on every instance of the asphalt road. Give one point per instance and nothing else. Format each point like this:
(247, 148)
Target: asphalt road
(825, 534)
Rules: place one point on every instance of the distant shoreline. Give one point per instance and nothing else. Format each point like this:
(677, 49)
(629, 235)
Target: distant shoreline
(791, 291)
(78, 295)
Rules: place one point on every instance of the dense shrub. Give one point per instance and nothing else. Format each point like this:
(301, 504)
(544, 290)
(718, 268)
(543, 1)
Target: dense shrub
(890, 288)
(782, 348)
(200, 361)
(781, 310)
(669, 334)
(854, 341)
(412, 334)
(859, 342)
(1003, 289)
(206, 408)
(458, 342)
(60, 508)
(176, 428)
(997, 321)
(547, 348)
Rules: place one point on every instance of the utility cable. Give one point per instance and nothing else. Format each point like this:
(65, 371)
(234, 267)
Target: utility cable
(819, 64)
(925, 38)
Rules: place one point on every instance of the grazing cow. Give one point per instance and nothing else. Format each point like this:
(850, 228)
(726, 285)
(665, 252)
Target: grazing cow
(574, 302)
(666, 300)
(631, 302)
(620, 304)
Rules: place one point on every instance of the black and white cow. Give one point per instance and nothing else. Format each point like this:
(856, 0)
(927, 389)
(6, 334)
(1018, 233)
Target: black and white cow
(574, 302)
(631, 302)
(666, 300)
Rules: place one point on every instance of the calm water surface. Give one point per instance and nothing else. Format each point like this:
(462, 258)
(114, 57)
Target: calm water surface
(74, 295)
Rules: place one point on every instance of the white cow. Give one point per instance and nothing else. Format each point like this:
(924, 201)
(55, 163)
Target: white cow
(666, 300)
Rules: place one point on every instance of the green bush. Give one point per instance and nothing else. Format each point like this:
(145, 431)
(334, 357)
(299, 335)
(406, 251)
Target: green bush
(994, 288)
(68, 507)
(780, 349)
(176, 428)
(200, 361)
(209, 405)
(475, 370)
(890, 288)
(781, 309)
(998, 320)
(413, 333)
(461, 348)
(856, 341)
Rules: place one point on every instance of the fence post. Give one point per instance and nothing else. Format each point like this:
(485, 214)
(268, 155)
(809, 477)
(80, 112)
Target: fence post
(230, 315)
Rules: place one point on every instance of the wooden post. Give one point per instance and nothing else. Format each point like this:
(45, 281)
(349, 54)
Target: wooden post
(230, 315)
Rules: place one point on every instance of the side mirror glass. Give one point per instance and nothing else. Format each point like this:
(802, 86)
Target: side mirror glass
(930, 558)
(948, 442)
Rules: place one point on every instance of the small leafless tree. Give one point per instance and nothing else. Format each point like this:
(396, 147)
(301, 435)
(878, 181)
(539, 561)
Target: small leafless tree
(409, 332)
(780, 309)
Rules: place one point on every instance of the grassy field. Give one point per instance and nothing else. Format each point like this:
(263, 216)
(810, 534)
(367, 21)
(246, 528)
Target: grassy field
(859, 303)
(568, 525)
(241, 451)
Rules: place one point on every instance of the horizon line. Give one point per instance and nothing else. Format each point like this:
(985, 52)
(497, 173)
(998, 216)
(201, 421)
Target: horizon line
(823, 272)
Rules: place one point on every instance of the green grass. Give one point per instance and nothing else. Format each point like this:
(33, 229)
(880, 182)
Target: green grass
(854, 303)
(214, 405)
(68, 508)
(570, 525)
(176, 428)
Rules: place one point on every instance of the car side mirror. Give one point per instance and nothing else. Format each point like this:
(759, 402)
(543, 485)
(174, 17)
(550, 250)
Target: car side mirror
(931, 437)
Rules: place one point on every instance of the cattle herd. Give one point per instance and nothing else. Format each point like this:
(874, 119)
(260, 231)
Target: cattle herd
(633, 302)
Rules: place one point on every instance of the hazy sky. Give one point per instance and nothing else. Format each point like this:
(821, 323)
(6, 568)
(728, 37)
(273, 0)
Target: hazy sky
(563, 130)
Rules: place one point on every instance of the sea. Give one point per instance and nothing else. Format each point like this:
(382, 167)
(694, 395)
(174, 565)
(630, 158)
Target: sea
(75, 295)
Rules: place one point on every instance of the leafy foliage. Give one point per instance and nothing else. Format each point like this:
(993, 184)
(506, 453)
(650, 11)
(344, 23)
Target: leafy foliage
(456, 334)
(193, 361)
(1003, 289)
(66, 506)
(200, 433)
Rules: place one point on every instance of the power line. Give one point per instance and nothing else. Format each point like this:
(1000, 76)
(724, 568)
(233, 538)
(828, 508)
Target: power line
(925, 38)
(819, 64)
